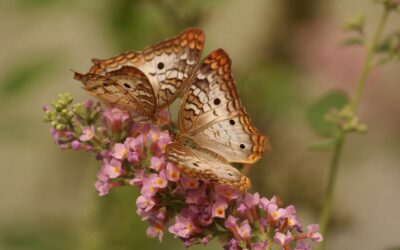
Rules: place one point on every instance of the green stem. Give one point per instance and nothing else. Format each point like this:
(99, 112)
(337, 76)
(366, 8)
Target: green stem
(334, 165)
(368, 64)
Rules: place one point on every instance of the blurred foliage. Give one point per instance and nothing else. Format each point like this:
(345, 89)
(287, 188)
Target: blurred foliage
(316, 114)
(25, 74)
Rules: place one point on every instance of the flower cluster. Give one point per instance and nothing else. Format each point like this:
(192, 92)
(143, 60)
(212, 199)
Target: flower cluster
(194, 210)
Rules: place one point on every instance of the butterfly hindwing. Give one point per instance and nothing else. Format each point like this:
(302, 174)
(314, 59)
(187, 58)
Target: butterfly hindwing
(211, 113)
(197, 163)
(168, 64)
(127, 88)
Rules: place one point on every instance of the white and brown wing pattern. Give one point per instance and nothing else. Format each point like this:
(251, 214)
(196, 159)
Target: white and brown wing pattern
(197, 163)
(168, 64)
(212, 116)
(127, 88)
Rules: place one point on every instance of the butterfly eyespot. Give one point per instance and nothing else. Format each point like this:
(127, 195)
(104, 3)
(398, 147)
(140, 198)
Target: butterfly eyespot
(127, 85)
(232, 122)
(217, 101)
(160, 65)
(242, 146)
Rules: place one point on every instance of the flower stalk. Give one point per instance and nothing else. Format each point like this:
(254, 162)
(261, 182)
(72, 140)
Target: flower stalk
(350, 109)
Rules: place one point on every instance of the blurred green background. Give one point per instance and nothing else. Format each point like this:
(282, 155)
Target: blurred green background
(286, 56)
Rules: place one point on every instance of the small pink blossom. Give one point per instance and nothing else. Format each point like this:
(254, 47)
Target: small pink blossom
(120, 151)
(173, 173)
(113, 168)
(301, 245)
(154, 231)
(160, 181)
(312, 233)
(189, 182)
(75, 144)
(218, 209)
(157, 163)
(145, 203)
(138, 179)
(244, 230)
(183, 227)
(251, 200)
(282, 239)
(87, 134)
(231, 222)
(229, 192)
(102, 187)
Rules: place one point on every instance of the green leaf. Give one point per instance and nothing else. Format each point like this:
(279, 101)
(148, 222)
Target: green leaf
(317, 112)
(386, 45)
(353, 41)
(322, 146)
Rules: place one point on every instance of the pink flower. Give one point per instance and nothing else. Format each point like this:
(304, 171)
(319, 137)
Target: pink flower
(275, 212)
(231, 222)
(232, 245)
(113, 168)
(312, 233)
(218, 209)
(173, 173)
(282, 239)
(196, 195)
(157, 163)
(265, 203)
(148, 188)
(135, 144)
(301, 245)
(120, 151)
(244, 230)
(259, 246)
(115, 115)
(138, 179)
(251, 200)
(183, 227)
(154, 231)
(75, 144)
(227, 191)
(87, 134)
(102, 187)
(145, 203)
(189, 182)
(160, 181)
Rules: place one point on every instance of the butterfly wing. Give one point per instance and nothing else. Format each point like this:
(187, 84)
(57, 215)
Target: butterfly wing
(168, 64)
(212, 116)
(203, 165)
(126, 88)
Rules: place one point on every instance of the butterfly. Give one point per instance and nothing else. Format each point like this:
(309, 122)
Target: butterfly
(214, 128)
(145, 82)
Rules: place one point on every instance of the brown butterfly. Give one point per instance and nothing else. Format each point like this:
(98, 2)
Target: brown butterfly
(145, 82)
(214, 129)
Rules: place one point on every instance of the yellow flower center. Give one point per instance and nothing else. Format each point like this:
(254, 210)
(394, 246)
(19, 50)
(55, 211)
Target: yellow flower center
(274, 214)
(116, 169)
(220, 211)
(159, 181)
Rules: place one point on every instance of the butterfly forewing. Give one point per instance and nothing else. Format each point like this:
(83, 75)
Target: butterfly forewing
(168, 64)
(127, 88)
(211, 113)
(197, 163)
